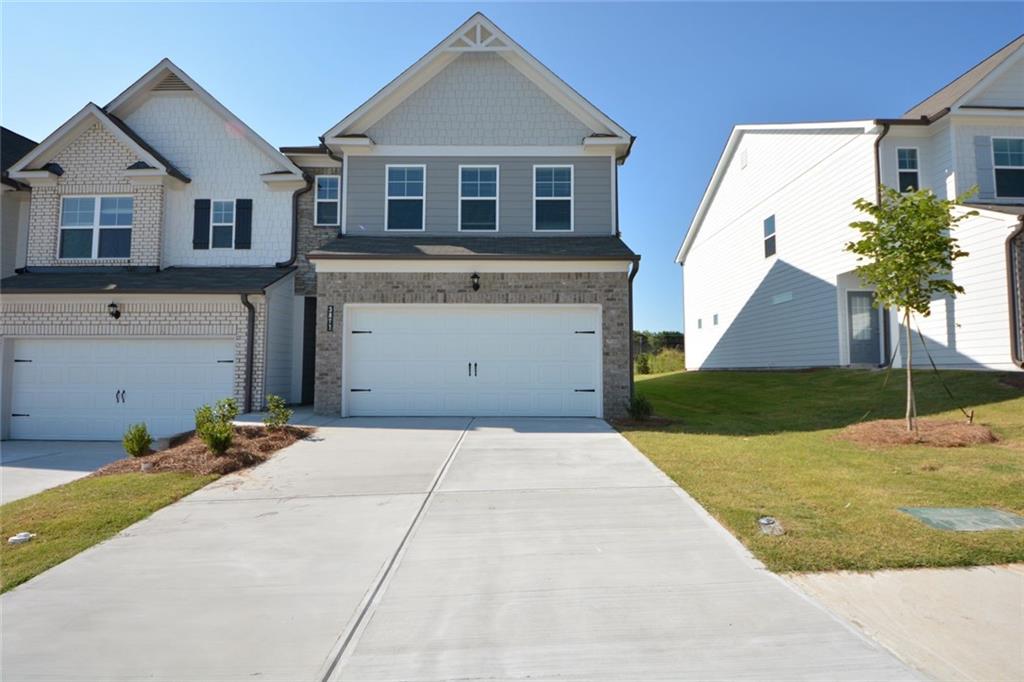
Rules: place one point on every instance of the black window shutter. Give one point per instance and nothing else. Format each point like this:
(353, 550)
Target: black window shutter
(243, 223)
(201, 225)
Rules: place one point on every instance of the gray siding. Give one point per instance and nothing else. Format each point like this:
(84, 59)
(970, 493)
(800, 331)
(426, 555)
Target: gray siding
(592, 193)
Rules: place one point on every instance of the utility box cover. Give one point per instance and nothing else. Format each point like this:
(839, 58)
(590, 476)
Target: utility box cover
(966, 518)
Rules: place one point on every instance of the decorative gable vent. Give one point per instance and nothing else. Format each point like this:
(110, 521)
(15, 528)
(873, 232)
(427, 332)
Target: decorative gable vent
(477, 38)
(171, 83)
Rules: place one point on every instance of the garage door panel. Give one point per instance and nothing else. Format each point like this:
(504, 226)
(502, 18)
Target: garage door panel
(517, 360)
(92, 389)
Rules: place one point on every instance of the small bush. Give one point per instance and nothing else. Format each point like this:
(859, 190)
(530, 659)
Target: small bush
(640, 407)
(643, 363)
(218, 436)
(214, 424)
(278, 413)
(668, 360)
(136, 440)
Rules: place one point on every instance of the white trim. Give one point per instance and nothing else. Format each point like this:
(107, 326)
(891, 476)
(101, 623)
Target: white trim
(496, 198)
(344, 196)
(476, 150)
(572, 195)
(317, 201)
(234, 222)
(614, 189)
(916, 170)
(95, 227)
(467, 266)
(346, 330)
(388, 198)
(995, 179)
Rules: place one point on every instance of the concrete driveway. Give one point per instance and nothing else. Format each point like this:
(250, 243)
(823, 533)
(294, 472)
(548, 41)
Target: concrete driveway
(31, 466)
(425, 550)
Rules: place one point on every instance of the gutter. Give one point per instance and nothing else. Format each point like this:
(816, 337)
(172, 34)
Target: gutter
(295, 221)
(249, 352)
(1015, 290)
(632, 274)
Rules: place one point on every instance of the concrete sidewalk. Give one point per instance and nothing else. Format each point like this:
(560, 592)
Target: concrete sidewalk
(31, 466)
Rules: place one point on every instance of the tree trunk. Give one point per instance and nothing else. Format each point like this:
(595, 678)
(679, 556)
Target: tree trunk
(911, 411)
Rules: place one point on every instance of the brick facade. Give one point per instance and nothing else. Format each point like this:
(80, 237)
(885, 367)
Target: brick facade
(310, 236)
(609, 289)
(95, 164)
(195, 319)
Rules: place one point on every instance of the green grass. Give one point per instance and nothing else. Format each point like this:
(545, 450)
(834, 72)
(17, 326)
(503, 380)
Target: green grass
(76, 516)
(666, 360)
(747, 444)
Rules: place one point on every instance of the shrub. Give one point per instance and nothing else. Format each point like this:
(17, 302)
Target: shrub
(137, 440)
(668, 360)
(278, 413)
(640, 407)
(214, 424)
(643, 363)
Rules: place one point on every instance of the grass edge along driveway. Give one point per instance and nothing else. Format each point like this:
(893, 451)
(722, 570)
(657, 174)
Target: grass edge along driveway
(747, 444)
(73, 517)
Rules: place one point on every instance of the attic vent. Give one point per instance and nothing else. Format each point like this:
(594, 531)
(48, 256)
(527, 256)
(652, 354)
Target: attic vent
(171, 83)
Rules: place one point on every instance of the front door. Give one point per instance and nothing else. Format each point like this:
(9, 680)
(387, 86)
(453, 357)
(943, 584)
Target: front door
(864, 328)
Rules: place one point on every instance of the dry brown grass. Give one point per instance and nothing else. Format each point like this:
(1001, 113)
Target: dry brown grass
(934, 432)
(252, 445)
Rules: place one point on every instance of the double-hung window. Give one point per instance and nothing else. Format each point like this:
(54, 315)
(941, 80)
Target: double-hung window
(1008, 157)
(222, 225)
(769, 236)
(328, 200)
(552, 198)
(96, 227)
(909, 173)
(404, 206)
(478, 198)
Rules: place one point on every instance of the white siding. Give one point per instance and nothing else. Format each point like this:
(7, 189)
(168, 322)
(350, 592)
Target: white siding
(14, 212)
(280, 309)
(1005, 91)
(966, 131)
(780, 311)
(223, 164)
(935, 156)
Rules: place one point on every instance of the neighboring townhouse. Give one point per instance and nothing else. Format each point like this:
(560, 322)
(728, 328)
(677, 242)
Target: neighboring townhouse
(479, 268)
(158, 272)
(766, 280)
(14, 198)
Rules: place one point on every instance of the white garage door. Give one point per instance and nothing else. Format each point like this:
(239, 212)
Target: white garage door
(92, 389)
(496, 360)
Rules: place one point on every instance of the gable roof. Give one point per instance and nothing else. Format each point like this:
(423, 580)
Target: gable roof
(477, 34)
(54, 143)
(166, 76)
(12, 147)
(954, 92)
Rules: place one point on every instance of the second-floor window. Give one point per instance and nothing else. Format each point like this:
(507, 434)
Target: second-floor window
(909, 173)
(552, 198)
(769, 236)
(405, 203)
(328, 200)
(96, 227)
(222, 225)
(478, 198)
(1008, 155)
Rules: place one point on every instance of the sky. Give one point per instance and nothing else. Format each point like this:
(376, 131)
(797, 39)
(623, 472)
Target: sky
(678, 76)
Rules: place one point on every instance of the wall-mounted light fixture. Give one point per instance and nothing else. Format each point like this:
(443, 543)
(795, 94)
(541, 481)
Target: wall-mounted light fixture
(113, 310)
(475, 279)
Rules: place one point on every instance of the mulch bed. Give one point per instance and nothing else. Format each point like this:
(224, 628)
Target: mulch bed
(252, 445)
(933, 432)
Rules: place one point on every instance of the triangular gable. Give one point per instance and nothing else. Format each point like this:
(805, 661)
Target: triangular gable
(166, 76)
(477, 34)
(89, 115)
(1003, 87)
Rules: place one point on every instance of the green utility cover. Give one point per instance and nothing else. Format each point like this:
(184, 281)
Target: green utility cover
(966, 518)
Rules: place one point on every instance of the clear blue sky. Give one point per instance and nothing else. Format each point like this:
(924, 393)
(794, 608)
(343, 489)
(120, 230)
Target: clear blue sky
(676, 75)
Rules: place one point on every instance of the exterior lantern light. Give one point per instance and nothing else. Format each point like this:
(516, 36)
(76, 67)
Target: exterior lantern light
(113, 310)
(475, 279)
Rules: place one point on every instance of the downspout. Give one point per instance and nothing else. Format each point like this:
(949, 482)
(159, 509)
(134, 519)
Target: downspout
(886, 324)
(249, 352)
(1015, 288)
(295, 221)
(632, 273)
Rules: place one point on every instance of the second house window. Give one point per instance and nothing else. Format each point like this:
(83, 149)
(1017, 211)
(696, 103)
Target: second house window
(403, 209)
(222, 225)
(552, 198)
(478, 198)
(328, 198)
(906, 159)
(96, 227)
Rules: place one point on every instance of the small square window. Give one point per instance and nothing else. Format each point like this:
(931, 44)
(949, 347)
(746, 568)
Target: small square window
(769, 236)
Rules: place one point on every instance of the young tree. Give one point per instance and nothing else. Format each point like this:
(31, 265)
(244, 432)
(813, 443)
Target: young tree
(906, 253)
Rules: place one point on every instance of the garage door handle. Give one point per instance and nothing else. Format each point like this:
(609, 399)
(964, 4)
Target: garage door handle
(585, 390)
(469, 369)
(474, 369)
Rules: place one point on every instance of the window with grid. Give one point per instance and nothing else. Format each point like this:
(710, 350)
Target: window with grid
(552, 198)
(404, 207)
(478, 198)
(96, 227)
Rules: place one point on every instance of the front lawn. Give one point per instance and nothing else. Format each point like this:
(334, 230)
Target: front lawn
(73, 517)
(747, 444)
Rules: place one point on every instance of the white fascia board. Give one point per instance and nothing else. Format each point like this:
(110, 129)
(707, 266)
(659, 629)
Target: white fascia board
(480, 150)
(313, 161)
(282, 181)
(862, 126)
(140, 88)
(466, 266)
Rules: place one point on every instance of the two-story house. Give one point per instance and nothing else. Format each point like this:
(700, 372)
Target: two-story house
(158, 267)
(767, 282)
(449, 248)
